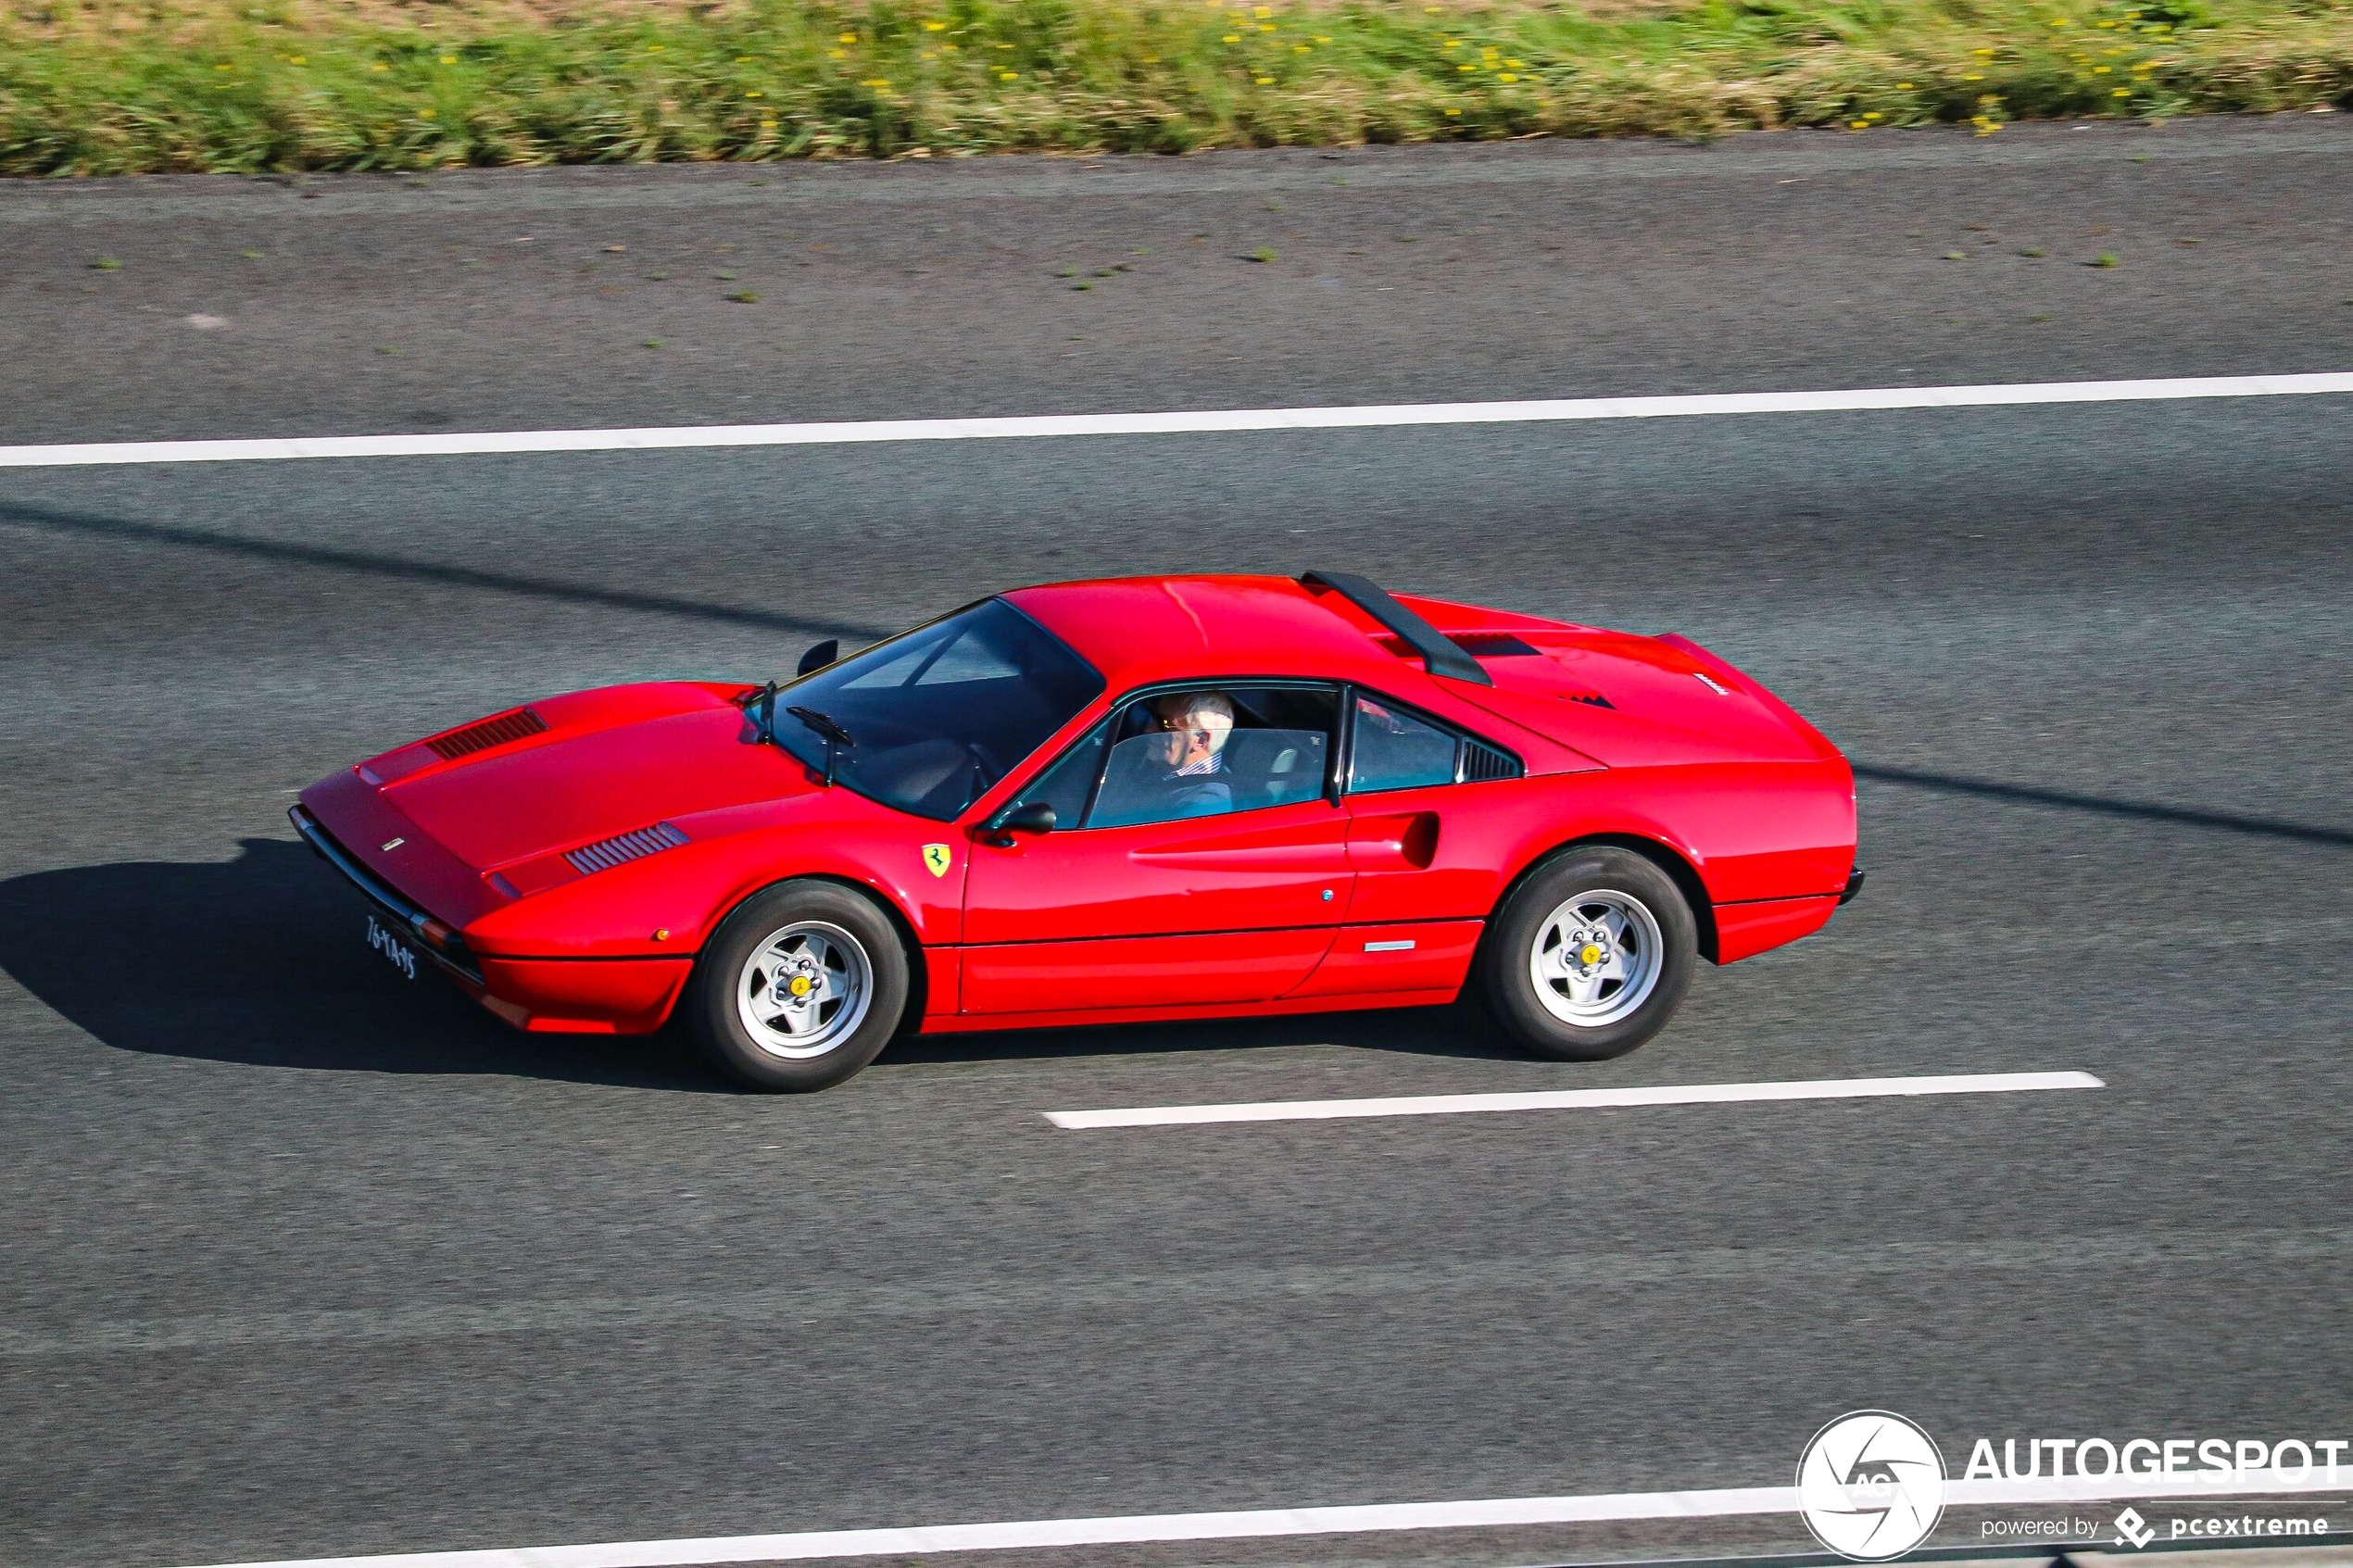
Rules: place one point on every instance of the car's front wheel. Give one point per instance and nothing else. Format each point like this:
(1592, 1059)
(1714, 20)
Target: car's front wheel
(800, 988)
(1591, 956)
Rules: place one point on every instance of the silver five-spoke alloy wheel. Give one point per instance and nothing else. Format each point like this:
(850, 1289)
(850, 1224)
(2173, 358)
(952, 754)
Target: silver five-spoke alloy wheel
(1596, 958)
(804, 990)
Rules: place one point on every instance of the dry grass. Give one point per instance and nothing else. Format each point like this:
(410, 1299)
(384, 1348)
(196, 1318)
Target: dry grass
(115, 87)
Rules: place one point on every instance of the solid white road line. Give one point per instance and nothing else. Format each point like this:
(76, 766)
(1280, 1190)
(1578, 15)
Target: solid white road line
(1203, 422)
(1260, 1522)
(1576, 1099)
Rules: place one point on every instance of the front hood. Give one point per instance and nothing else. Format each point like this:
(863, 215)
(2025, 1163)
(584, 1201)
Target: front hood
(574, 771)
(1634, 701)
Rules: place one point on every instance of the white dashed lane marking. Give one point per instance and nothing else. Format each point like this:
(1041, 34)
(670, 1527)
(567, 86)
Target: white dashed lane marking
(1576, 1099)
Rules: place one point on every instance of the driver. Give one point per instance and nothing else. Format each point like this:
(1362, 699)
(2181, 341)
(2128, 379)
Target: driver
(1198, 724)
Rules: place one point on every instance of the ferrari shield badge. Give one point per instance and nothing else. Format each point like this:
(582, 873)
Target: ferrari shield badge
(936, 857)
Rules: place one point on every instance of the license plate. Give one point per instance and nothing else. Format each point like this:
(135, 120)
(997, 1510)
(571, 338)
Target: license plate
(401, 956)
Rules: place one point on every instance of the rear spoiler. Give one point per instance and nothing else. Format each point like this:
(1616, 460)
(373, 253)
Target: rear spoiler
(1440, 657)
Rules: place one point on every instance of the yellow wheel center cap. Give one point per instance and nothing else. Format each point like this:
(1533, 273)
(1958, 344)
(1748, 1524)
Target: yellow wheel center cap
(1589, 955)
(800, 987)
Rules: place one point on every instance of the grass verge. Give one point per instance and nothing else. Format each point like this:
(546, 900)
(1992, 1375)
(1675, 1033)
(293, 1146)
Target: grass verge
(121, 88)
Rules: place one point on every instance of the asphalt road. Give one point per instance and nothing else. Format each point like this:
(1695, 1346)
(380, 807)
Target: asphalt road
(303, 1259)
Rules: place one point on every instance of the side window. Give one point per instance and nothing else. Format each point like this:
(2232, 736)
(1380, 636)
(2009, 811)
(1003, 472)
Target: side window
(1391, 749)
(1212, 751)
(1068, 783)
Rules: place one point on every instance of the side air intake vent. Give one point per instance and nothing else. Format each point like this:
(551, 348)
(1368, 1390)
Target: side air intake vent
(623, 847)
(1481, 763)
(497, 730)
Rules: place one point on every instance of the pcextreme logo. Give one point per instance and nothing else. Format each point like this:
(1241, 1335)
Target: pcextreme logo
(1872, 1485)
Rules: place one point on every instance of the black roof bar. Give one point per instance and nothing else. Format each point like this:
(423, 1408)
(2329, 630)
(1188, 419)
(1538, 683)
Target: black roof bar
(1440, 657)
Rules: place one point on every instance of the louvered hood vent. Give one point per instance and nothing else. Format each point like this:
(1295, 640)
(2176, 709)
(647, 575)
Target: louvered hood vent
(624, 847)
(496, 730)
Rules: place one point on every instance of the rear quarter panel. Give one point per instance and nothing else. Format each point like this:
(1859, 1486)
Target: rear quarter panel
(1750, 831)
(1754, 830)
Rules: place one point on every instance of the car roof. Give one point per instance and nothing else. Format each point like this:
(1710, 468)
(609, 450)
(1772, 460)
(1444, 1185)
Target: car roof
(1139, 631)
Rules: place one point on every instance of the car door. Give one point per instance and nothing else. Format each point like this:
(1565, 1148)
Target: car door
(1160, 891)
(1427, 818)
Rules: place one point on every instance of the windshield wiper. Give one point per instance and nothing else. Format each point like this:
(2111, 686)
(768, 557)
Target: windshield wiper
(828, 726)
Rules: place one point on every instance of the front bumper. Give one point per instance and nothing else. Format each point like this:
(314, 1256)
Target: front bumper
(544, 995)
(438, 940)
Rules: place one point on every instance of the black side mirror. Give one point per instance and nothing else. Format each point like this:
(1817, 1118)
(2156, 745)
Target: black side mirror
(817, 657)
(1036, 816)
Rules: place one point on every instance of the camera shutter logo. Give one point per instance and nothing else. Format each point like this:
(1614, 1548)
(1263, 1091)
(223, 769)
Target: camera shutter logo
(1872, 1485)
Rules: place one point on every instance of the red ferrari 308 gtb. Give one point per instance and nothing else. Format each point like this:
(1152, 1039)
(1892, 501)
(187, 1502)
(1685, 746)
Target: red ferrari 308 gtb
(1154, 797)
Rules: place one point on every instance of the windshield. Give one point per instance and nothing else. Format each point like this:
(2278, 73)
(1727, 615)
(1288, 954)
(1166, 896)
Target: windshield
(938, 714)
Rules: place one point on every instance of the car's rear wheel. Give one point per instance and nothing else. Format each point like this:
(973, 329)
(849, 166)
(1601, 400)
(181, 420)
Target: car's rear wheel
(1591, 956)
(800, 988)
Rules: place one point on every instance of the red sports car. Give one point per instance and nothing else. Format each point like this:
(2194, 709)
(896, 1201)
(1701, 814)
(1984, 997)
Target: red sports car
(1151, 798)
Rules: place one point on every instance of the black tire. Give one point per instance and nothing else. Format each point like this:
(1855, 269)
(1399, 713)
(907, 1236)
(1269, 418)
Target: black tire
(1620, 882)
(821, 925)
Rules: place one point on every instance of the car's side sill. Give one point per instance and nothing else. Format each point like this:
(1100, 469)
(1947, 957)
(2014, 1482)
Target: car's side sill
(965, 1024)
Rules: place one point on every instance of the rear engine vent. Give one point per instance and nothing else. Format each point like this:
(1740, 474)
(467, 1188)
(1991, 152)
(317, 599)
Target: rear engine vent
(1490, 644)
(1478, 644)
(497, 730)
(1481, 763)
(623, 847)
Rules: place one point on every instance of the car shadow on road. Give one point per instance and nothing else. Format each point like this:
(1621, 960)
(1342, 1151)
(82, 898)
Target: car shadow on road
(261, 960)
